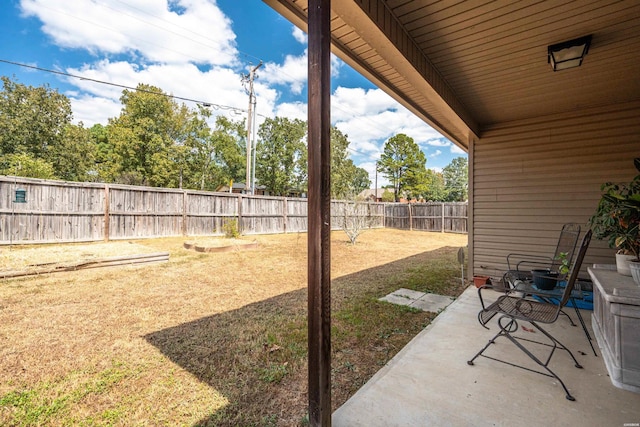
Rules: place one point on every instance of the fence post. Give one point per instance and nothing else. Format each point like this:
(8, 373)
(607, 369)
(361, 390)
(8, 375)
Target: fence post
(106, 212)
(284, 214)
(184, 212)
(410, 217)
(442, 225)
(384, 215)
(239, 210)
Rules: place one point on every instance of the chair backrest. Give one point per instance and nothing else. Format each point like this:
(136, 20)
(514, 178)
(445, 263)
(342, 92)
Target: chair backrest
(575, 269)
(566, 244)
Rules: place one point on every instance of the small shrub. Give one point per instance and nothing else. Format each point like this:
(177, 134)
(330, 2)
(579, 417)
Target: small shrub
(230, 229)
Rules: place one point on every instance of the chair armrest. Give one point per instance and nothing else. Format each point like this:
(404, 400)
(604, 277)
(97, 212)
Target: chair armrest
(526, 259)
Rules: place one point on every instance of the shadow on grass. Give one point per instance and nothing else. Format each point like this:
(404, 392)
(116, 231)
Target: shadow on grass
(256, 355)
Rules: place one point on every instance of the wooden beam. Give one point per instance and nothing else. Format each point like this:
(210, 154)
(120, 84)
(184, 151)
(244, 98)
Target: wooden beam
(82, 265)
(319, 213)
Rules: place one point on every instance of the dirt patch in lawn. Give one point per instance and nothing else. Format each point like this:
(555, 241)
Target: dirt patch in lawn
(205, 338)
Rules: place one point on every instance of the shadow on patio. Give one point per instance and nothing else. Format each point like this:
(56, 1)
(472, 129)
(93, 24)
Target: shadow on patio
(430, 383)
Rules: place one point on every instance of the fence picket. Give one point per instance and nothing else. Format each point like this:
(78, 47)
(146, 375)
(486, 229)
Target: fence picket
(58, 211)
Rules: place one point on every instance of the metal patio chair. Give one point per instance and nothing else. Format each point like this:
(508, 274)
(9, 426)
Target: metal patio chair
(512, 309)
(519, 265)
(524, 263)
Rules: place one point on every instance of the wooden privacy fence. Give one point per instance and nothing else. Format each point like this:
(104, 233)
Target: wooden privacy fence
(444, 217)
(39, 211)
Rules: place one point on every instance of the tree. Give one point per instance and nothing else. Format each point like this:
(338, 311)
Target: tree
(456, 180)
(74, 156)
(32, 127)
(359, 180)
(387, 196)
(435, 191)
(229, 141)
(147, 139)
(347, 180)
(281, 155)
(99, 135)
(356, 219)
(403, 164)
(25, 164)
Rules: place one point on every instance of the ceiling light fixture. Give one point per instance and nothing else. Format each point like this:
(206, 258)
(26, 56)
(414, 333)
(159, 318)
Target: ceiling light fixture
(568, 54)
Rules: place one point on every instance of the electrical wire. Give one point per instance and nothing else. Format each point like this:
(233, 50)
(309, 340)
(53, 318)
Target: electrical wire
(61, 73)
(371, 122)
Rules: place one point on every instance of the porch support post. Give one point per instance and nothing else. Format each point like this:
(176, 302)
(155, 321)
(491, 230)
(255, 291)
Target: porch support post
(319, 213)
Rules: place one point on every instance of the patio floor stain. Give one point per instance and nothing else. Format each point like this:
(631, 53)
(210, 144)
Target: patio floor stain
(420, 300)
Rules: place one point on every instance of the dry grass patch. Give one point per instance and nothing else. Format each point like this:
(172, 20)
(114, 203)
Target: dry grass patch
(206, 339)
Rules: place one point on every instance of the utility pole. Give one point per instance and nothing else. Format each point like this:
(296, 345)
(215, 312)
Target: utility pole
(248, 79)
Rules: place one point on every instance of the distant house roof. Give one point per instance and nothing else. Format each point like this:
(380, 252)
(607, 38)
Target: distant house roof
(238, 187)
(370, 193)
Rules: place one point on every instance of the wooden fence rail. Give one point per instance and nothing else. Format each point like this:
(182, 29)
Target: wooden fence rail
(444, 217)
(59, 211)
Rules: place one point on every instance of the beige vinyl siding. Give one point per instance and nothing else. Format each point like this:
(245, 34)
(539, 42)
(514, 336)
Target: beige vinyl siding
(530, 177)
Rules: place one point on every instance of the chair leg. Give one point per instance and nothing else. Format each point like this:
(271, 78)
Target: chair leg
(511, 326)
(584, 327)
(568, 317)
(545, 365)
(556, 344)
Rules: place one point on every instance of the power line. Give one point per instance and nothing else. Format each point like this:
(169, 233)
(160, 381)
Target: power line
(203, 103)
(200, 102)
(373, 123)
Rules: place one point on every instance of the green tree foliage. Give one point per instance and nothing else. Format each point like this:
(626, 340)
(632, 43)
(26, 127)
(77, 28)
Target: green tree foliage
(360, 180)
(347, 180)
(281, 155)
(32, 121)
(25, 164)
(403, 164)
(387, 196)
(74, 157)
(99, 135)
(435, 191)
(456, 180)
(230, 145)
(147, 139)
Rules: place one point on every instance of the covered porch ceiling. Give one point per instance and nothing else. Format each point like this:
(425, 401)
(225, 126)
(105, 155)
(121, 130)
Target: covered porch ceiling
(464, 65)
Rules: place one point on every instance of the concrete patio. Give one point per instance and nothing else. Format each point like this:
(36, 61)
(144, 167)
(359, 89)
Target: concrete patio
(429, 383)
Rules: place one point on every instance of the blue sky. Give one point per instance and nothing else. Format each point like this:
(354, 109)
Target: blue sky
(196, 49)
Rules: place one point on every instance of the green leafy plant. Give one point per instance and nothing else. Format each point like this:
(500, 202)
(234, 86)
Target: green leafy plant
(230, 229)
(564, 262)
(617, 217)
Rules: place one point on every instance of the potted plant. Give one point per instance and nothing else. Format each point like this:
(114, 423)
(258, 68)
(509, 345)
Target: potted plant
(617, 219)
(546, 279)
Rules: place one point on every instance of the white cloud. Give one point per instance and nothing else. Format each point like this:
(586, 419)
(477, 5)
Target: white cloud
(220, 87)
(91, 110)
(154, 30)
(292, 72)
(292, 110)
(370, 117)
(188, 49)
(457, 150)
(300, 35)
(435, 154)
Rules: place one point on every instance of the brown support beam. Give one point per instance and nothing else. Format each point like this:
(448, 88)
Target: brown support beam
(319, 213)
